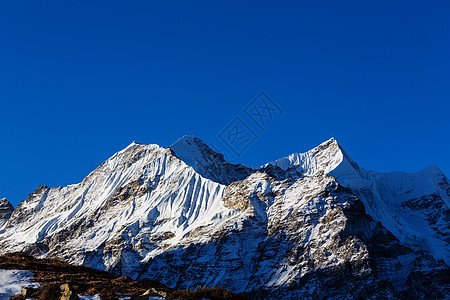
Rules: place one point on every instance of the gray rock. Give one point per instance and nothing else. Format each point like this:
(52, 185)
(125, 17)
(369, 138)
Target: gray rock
(6, 210)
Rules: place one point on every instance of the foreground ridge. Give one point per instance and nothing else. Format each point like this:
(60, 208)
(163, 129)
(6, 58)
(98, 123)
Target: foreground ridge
(312, 224)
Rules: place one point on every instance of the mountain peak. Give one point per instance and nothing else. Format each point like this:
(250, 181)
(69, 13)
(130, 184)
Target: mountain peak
(194, 151)
(325, 157)
(189, 138)
(206, 162)
(330, 141)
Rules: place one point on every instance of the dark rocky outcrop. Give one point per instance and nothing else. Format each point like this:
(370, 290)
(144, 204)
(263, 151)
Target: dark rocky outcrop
(6, 210)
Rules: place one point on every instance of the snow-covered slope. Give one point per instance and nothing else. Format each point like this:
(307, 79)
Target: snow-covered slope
(414, 207)
(143, 199)
(293, 228)
(12, 282)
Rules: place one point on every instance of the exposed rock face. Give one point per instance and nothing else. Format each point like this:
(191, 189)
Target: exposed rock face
(67, 293)
(310, 225)
(6, 210)
(308, 238)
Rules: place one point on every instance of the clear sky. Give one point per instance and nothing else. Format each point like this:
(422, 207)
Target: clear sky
(80, 80)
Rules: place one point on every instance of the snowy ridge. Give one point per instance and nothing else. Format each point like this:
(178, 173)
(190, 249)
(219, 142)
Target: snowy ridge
(388, 197)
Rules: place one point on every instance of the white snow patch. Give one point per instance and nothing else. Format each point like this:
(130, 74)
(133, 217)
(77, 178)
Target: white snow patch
(12, 282)
(88, 297)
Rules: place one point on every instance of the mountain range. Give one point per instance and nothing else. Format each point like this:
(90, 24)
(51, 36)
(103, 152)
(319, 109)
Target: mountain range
(313, 225)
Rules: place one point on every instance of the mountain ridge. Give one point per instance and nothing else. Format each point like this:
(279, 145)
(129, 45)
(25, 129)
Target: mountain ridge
(253, 230)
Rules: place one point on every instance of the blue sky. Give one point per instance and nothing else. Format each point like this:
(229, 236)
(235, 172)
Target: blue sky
(81, 80)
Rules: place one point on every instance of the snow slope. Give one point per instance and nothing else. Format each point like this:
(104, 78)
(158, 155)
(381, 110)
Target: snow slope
(12, 282)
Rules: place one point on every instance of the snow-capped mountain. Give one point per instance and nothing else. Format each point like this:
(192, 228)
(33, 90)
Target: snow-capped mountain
(309, 225)
(414, 207)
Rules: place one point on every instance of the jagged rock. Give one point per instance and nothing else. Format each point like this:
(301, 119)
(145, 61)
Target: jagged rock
(29, 292)
(153, 292)
(67, 293)
(141, 297)
(6, 210)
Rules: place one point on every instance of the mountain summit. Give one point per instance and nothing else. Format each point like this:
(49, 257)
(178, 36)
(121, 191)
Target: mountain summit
(414, 207)
(208, 163)
(326, 157)
(312, 224)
